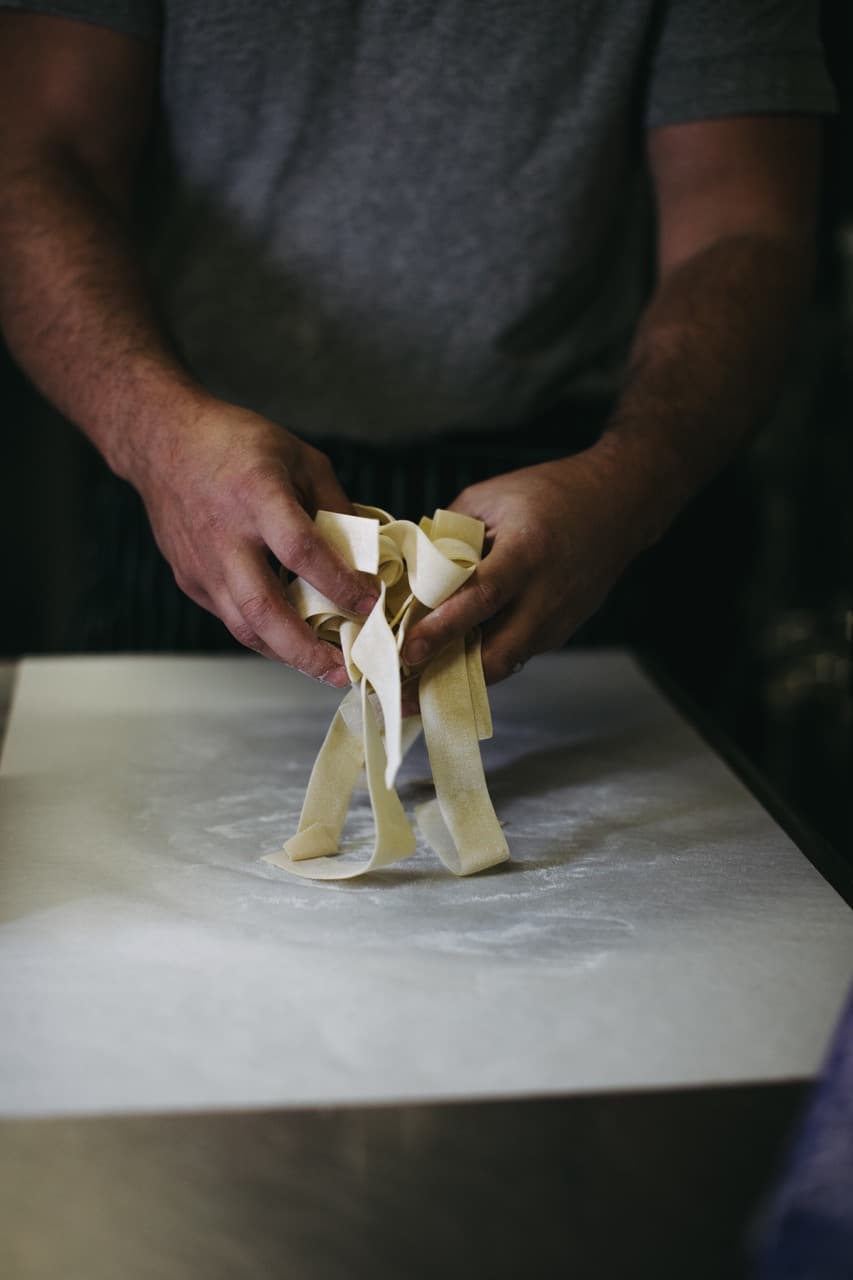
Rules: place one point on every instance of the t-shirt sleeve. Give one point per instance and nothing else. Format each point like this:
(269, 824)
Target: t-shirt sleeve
(716, 58)
(132, 17)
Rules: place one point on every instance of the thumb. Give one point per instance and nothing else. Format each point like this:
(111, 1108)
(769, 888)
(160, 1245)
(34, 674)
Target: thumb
(495, 582)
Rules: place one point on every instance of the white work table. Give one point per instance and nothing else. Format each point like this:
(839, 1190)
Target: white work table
(655, 927)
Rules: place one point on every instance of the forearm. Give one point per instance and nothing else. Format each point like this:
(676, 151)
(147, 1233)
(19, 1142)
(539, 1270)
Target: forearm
(704, 368)
(224, 489)
(76, 314)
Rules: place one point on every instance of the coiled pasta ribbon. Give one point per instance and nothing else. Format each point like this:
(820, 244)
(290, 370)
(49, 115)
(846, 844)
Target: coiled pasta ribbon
(418, 567)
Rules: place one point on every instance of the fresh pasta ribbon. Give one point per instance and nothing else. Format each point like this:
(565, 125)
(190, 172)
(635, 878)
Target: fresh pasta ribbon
(418, 567)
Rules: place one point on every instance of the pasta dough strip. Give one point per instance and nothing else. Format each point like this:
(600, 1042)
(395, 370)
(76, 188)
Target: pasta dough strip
(394, 838)
(330, 787)
(450, 729)
(418, 567)
(374, 652)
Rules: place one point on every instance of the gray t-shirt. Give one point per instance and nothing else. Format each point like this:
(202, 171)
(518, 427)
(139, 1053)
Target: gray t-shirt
(387, 218)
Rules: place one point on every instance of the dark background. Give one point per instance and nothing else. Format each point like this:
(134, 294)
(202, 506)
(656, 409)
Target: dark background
(747, 605)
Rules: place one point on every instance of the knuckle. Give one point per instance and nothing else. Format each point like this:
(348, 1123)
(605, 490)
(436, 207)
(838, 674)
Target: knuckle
(299, 550)
(350, 590)
(489, 595)
(216, 522)
(256, 611)
(257, 483)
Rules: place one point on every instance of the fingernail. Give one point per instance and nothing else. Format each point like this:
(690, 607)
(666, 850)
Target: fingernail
(366, 604)
(337, 678)
(416, 651)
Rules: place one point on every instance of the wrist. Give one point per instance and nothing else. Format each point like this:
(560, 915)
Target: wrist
(648, 476)
(157, 409)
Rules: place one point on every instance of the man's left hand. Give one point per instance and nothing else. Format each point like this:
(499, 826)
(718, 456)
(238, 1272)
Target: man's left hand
(558, 536)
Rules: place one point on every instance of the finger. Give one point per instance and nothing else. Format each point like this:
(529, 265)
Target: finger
(509, 643)
(293, 538)
(231, 619)
(200, 597)
(257, 613)
(531, 626)
(495, 582)
(195, 591)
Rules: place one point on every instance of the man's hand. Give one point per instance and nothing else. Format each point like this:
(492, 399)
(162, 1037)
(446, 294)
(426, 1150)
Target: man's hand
(223, 491)
(735, 203)
(559, 535)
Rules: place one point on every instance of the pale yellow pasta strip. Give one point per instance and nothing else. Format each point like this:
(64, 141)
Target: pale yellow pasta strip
(394, 838)
(477, 686)
(423, 564)
(330, 788)
(372, 513)
(450, 730)
(374, 652)
(432, 577)
(347, 633)
(355, 537)
(462, 528)
(394, 835)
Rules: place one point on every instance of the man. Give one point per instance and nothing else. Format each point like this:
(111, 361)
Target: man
(387, 222)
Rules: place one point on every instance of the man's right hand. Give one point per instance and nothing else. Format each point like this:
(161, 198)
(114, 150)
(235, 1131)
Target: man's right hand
(225, 487)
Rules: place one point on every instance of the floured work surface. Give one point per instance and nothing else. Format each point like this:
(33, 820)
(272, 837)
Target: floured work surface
(654, 927)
